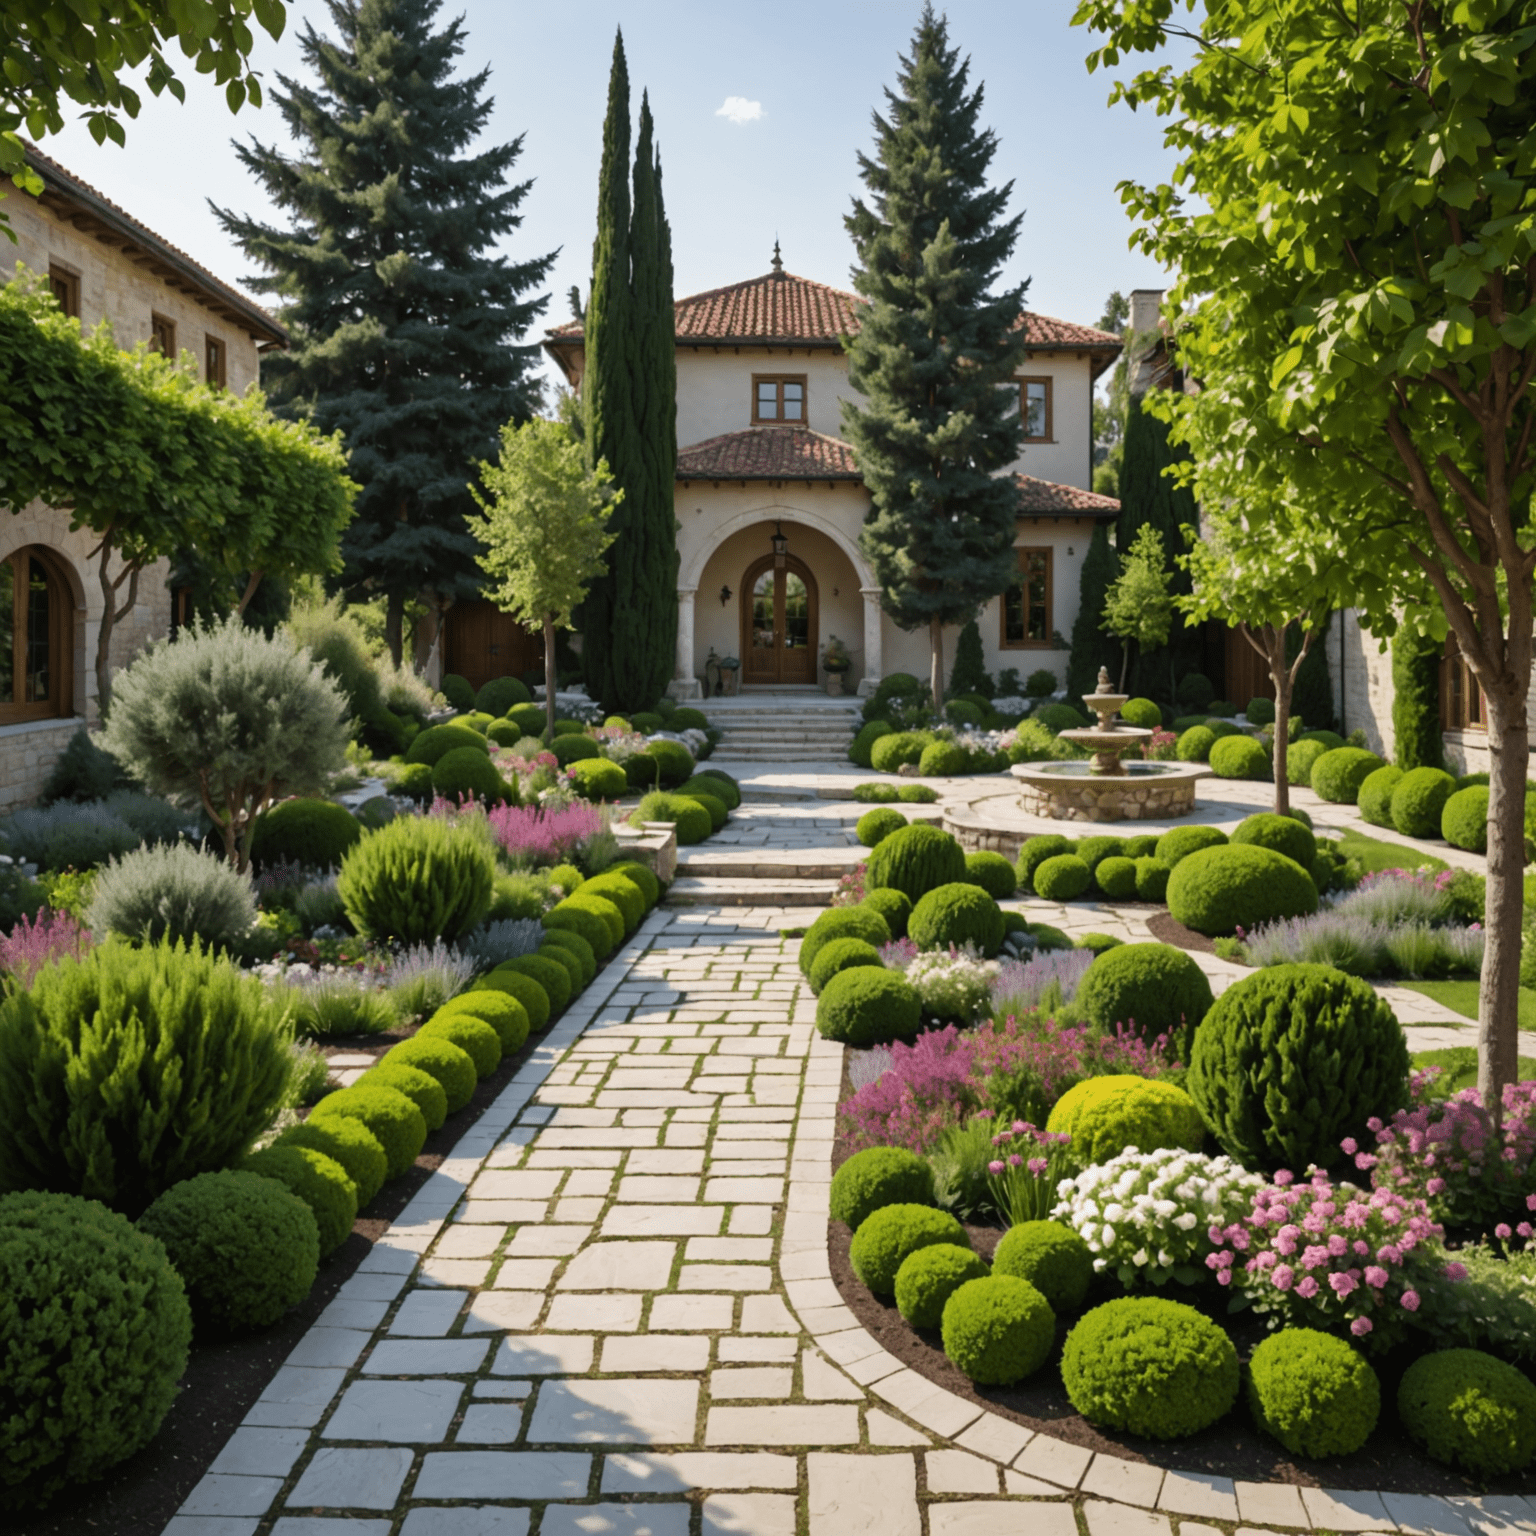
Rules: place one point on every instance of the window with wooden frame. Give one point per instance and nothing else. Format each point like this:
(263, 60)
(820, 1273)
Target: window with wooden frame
(162, 336)
(778, 397)
(1461, 700)
(213, 361)
(36, 638)
(1026, 608)
(65, 287)
(1035, 409)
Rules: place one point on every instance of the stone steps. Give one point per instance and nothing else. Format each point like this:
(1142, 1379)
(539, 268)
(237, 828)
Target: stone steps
(782, 732)
(750, 864)
(694, 891)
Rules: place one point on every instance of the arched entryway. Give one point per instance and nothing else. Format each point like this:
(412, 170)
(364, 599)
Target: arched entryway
(778, 622)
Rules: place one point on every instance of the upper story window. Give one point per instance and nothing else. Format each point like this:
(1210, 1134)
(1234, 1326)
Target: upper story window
(1035, 409)
(36, 638)
(162, 336)
(65, 286)
(213, 361)
(778, 397)
(1026, 608)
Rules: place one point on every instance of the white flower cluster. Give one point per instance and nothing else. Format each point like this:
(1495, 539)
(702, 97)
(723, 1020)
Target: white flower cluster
(1145, 1215)
(1015, 707)
(953, 984)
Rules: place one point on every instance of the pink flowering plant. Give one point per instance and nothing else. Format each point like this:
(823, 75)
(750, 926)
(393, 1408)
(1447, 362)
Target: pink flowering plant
(1030, 1163)
(850, 888)
(534, 835)
(31, 945)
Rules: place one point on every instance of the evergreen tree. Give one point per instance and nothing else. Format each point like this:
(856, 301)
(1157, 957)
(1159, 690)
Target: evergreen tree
(405, 328)
(1312, 694)
(1416, 738)
(1092, 646)
(970, 673)
(936, 351)
(629, 620)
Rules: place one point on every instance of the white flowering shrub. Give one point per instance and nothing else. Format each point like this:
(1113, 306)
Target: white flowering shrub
(1146, 1216)
(953, 984)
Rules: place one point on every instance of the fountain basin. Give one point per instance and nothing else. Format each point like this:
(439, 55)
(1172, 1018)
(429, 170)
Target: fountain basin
(1141, 791)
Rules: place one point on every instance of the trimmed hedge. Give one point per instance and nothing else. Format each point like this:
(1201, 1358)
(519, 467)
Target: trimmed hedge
(1240, 757)
(876, 1177)
(841, 955)
(1464, 819)
(1418, 800)
(1314, 1393)
(417, 880)
(998, 1330)
(421, 1088)
(1222, 889)
(318, 1180)
(1471, 1410)
(1158, 989)
(586, 923)
(464, 772)
(1338, 775)
(886, 1236)
(692, 821)
(1194, 745)
(1300, 759)
(546, 973)
(1063, 878)
(595, 778)
(1374, 798)
(893, 905)
(1283, 834)
(957, 914)
(858, 922)
(929, 1277)
(348, 1142)
(1052, 1257)
(1183, 841)
(503, 1012)
(718, 815)
(1036, 851)
(875, 826)
(941, 760)
(993, 873)
(1116, 877)
(437, 741)
(916, 860)
(1106, 1116)
(866, 1006)
(862, 745)
(899, 749)
(304, 831)
(1152, 879)
(456, 1048)
(393, 1119)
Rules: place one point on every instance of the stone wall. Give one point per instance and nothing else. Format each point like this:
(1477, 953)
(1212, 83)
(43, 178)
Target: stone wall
(1361, 672)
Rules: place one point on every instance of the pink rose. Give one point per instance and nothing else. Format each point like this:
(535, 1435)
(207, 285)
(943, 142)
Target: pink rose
(1410, 1301)
(1361, 1326)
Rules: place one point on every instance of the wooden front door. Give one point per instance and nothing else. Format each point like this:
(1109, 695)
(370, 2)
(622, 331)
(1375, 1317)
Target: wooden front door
(778, 622)
(482, 643)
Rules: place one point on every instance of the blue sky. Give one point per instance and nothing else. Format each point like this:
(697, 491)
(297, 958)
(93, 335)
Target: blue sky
(785, 169)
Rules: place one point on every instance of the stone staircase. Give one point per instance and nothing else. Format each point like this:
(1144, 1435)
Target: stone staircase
(784, 727)
(756, 877)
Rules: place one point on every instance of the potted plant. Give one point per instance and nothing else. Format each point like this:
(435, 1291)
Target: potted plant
(835, 661)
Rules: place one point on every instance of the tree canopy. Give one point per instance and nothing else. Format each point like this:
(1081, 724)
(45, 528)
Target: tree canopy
(1138, 606)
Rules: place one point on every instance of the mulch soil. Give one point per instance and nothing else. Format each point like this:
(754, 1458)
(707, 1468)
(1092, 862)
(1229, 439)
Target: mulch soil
(225, 1376)
(1165, 927)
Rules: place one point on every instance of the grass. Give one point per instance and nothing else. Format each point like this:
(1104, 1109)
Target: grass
(1461, 997)
(1376, 855)
(1460, 1063)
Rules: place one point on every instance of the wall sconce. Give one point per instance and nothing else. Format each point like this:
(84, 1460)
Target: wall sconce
(725, 596)
(780, 546)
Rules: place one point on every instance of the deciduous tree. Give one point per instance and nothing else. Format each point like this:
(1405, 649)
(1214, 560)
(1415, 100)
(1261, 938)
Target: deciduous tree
(1138, 608)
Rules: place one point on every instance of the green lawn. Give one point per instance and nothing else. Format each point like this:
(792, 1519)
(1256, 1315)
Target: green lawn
(1461, 997)
(1460, 1063)
(1376, 855)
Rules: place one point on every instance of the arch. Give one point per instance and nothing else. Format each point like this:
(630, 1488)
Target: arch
(802, 661)
(51, 633)
(688, 576)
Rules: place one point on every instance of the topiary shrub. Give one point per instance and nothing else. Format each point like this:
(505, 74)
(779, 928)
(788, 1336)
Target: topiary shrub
(1374, 798)
(570, 749)
(898, 750)
(1094, 850)
(860, 748)
(1464, 819)
(1142, 713)
(1293, 1059)
(1152, 879)
(417, 880)
(841, 955)
(1099, 943)
(875, 826)
(1063, 878)
(438, 1053)
(547, 973)
(1155, 987)
(1239, 757)
(458, 691)
(1196, 691)
(316, 1179)
(675, 761)
(1183, 841)
(467, 774)
(393, 1119)
(1260, 711)
(421, 1088)
(717, 782)
(500, 694)
(1116, 877)
(1315, 1394)
(245, 1248)
(1052, 1257)
(524, 988)
(530, 719)
(957, 914)
(304, 831)
(1418, 799)
(993, 873)
(1058, 717)
(624, 893)
(1036, 851)
(1284, 834)
(348, 1142)
(1470, 1410)
(641, 875)
(1220, 890)
(858, 922)
(173, 894)
(584, 917)
(887, 1235)
(877, 1177)
(1194, 745)
(1300, 759)
(866, 1006)
(437, 741)
(595, 778)
(893, 905)
(941, 759)
(498, 1008)
(1338, 775)
(929, 1277)
(692, 821)
(1149, 1367)
(998, 1330)
(568, 962)
(1106, 1116)
(917, 859)
(94, 1332)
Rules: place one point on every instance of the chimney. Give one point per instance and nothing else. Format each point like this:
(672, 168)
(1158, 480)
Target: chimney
(1148, 362)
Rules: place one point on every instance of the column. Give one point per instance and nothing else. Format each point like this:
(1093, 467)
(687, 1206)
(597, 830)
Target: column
(684, 684)
(874, 658)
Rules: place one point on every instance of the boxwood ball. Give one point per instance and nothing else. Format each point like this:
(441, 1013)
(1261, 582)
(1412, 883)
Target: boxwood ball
(1313, 1392)
(998, 1330)
(876, 1177)
(886, 1236)
(929, 1277)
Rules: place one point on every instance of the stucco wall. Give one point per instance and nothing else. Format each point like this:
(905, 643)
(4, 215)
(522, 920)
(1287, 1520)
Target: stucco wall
(1361, 672)
(1068, 458)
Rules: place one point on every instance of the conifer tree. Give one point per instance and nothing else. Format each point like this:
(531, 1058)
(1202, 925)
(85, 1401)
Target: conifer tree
(1092, 646)
(936, 350)
(406, 328)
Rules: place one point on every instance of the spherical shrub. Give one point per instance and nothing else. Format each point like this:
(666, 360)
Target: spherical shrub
(1467, 780)
(524, 988)
(1116, 877)
(1106, 1116)
(467, 773)
(1052, 1257)
(413, 781)
(993, 873)
(500, 694)
(717, 782)
(917, 859)
(1143, 847)
(1300, 759)
(529, 718)
(304, 831)
(1152, 879)
(1063, 878)
(718, 815)
(171, 892)
(571, 749)
(551, 976)
(595, 778)
(1260, 711)
(591, 926)
(1158, 987)
(417, 880)
(1284, 834)
(841, 955)
(692, 821)
(437, 741)
(860, 748)
(898, 750)
(893, 905)
(1464, 819)
(245, 1248)
(1338, 775)
(1374, 797)
(1099, 943)
(1058, 717)
(886, 1236)
(348, 1142)
(1094, 850)
(471, 1036)
(393, 1119)
(1220, 890)
(859, 922)
(1141, 712)
(876, 825)
(623, 892)
(1239, 757)
(929, 1277)
(1470, 1410)
(94, 1331)
(1315, 1394)
(1418, 800)
(459, 691)
(1149, 1367)
(876, 1177)
(866, 1006)
(1183, 841)
(957, 914)
(998, 1329)
(1036, 851)
(319, 1181)
(438, 1053)
(421, 1088)
(641, 875)
(675, 759)
(1194, 745)
(1196, 691)
(1293, 1059)
(503, 1012)
(941, 759)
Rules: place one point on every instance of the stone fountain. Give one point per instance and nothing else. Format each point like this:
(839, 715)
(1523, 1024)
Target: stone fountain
(1107, 740)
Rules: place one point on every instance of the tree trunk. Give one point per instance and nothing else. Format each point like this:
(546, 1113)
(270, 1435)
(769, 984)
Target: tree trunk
(936, 676)
(394, 625)
(1498, 1004)
(110, 614)
(249, 593)
(1280, 675)
(549, 674)
(1125, 662)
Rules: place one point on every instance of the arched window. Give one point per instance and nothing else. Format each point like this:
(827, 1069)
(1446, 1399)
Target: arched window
(36, 638)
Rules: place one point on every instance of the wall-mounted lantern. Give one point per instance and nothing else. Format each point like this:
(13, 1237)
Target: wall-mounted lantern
(725, 596)
(780, 546)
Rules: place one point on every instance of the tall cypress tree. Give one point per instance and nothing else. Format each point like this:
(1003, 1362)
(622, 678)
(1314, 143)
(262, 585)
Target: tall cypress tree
(629, 620)
(936, 350)
(406, 329)
(1092, 646)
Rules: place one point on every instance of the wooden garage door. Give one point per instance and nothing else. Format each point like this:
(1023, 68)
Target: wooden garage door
(483, 643)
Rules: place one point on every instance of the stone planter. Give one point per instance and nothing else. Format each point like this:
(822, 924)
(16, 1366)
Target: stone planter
(834, 684)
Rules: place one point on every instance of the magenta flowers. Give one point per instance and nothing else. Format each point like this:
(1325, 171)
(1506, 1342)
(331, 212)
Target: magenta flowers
(545, 837)
(31, 944)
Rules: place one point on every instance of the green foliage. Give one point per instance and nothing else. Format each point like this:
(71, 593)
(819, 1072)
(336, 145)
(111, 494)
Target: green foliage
(889, 1233)
(866, 1006)
(875, 825)
(1052, 1257)
(1260, 711)
(438, 1054)
(862, 745)
(524, 989)
(348, 1142)
(1092, 850)
(336, 641)
(692, 820)
(391, 1116)
(859, 922)
(1152, 879)
(900, 749)
(916, 860)
(1416, 701)
(1116, 877)
(716, 809)
(1195, 691)
(1035, 851)
(1141, 712)
(1284, 834)
(969, 673)
(1470, 1410)
(1058, 717)
(1300, 759)
(941, 759)
(587, 920)
(304, 831)
(841, 955)
(82, 772)
(993, 873)
(459, 692)
(173, 892)
(500, 694)
(1174, 846)
(1338, 775)
(893, 905)
(1105, 1116)
(1418, 800)
(930, 1276)
(1315, 1394)
(437, 741)
(1092, 646)
(956, 914)
(595, 778)
(642, 875)
(558, 941)
(316, 1179)
(998, 1329)
(467, 773)
(1062, 878)
(548, 974)
(503, 1012)
(1222, 889)
(470, 1036)
(1293, 1059)
(1157, 989)
(94, 1331)
(1464, 819)
(421, 1088)
(1139, 604)
(1239, 757)
(916, 794)
(877, 1177)
(1150, 1367)
(412, 780)
(417, 880)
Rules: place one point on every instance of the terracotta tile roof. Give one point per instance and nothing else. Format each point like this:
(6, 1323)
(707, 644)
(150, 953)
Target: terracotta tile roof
(1045, 496)
(768, 453)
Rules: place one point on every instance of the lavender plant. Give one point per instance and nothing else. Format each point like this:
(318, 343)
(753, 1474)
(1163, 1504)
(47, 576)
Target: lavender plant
(1044, 982)
(422, 978)
(492, 943)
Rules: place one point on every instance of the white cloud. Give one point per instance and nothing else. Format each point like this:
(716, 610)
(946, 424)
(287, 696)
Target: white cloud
(738, 109)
